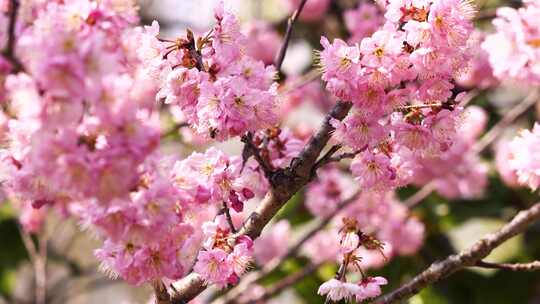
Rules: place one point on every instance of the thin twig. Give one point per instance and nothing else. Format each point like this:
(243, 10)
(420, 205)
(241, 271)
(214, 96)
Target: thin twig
(339, 157)
(507, 119)
(420, 195)
(304, 79)
(326, 157)
(467, 258)
(532, 266)
(9, 50)
(174, 129)
(256, 276)
(40, 268)
(28, 244)
(290, 25)
(227, 212)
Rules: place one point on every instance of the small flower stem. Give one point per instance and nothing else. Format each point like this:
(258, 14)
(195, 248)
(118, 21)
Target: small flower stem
(230, 295)
(227, 212)
(532, 266)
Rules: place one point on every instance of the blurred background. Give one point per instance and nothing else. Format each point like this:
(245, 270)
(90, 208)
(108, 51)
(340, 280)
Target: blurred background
(451, 225)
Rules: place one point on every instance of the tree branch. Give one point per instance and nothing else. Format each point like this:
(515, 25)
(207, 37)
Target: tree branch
(288, 33)
(286, 183)
(253, 277)
(506, 120)
(532, 266)
(174, 129)
(466, 258)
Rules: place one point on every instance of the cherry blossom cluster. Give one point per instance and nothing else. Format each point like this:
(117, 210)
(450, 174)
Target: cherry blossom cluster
(158, 232)
(82, 132)
(221, 91)
(224, 258)
(79, 122)
(459, 172)
(400, 83)
(379, 214)
(519, 159)
(514, 49)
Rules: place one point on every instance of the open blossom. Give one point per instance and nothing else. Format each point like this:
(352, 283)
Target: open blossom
(524, 158)
(241, 258)
(360, 131)
(513, 49)
(373, 171)
(214, 266)
(337, 290)
(370, 287)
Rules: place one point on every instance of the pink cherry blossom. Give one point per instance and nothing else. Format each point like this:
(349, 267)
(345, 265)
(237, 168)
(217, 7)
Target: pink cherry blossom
(337, 290)
(524, 159)
(214, 266)
(370, 288)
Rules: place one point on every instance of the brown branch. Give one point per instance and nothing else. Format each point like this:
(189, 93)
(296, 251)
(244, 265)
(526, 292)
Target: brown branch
(160, 292)
(227, 212)
(419, 195)
(40, 268)
(532, 266)
(253, 277)
(250, 149)
(290, 24)
(506, 120)
(467, 258)
(28, 244)
(286, 183)
(174, 129)
(327, 157)
(9, 50)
